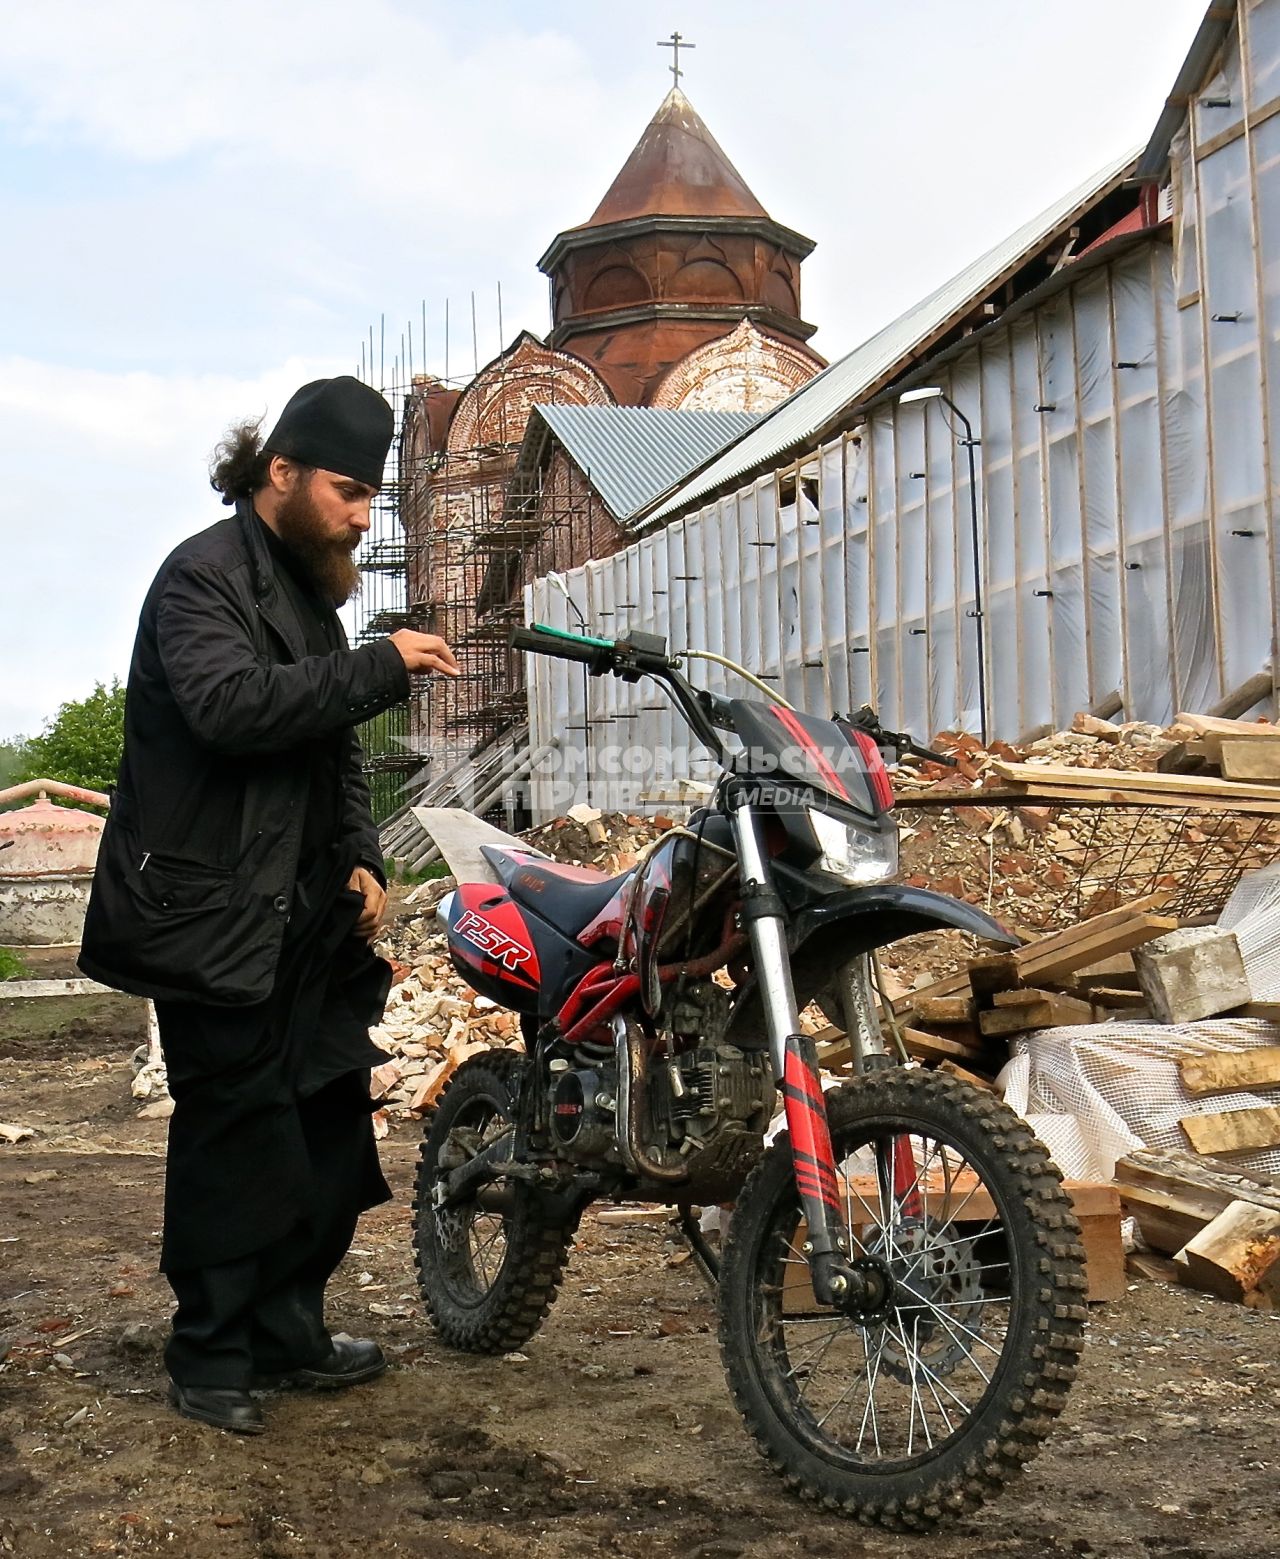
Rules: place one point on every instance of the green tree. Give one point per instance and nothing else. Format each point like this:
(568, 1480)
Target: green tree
(12, 757)
(81, 745)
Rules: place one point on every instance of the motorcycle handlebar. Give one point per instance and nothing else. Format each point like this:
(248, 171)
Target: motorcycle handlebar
(560, 645)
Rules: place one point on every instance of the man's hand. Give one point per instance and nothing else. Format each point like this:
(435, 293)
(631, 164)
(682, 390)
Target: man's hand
(424, 652)
(375, 901)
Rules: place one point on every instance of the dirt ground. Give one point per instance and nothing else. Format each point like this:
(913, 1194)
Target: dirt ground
(612, 1434)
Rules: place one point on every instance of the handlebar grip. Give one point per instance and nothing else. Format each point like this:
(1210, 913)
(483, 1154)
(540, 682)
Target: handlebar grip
(561, 646)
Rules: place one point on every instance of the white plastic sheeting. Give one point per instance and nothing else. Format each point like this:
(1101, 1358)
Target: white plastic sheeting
(1129, 431)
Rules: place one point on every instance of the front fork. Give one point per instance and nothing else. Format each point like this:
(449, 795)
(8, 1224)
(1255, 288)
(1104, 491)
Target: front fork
(795, 1066)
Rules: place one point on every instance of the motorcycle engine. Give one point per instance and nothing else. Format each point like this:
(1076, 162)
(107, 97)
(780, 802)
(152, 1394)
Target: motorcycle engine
(711, 1103)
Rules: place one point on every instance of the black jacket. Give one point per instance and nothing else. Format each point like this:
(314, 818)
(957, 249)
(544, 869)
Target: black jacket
(199, 858)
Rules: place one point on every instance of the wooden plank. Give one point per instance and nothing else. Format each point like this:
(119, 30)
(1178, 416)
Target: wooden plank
(1057, 1013)
(945, 1009)
(1233, 1131)
(1049, 962)
(1030, 996)
(1115, 973)
(621, 1217)
(1240, 805)
(1103, 1256)
(1231, 1070)
(972, 1078)
(1177, 1172)
(1251, 759)
(1237, 1254)
(834, 1049)
(933, 1047)
(1168, 1221)
(1215, 725)
(1186, 787)
(991, 973)
(1145, 1264)
(1108, 1000)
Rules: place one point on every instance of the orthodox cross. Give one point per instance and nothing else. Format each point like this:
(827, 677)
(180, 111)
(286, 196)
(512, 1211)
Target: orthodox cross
(675, 43)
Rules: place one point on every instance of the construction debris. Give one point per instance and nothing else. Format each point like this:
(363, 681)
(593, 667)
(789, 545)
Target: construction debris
(1222, 1229)
(1192, 974)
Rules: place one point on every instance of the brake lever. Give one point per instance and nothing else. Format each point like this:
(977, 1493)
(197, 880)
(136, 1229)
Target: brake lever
(867, 720)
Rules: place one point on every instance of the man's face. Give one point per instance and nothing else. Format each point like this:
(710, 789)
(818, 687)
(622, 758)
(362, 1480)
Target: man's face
(322, 517)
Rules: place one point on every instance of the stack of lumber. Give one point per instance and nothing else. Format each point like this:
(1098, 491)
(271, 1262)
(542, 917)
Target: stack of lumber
(1243, 751)
(1075, 976)
(1214, 764)
(1217, 1229)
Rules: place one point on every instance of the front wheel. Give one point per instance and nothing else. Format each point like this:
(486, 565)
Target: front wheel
(927, 1405)
(488, 1266)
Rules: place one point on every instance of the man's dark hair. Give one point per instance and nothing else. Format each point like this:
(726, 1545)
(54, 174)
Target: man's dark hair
(240, 463)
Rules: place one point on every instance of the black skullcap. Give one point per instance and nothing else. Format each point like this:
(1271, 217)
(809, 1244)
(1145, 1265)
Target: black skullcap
(336, 425)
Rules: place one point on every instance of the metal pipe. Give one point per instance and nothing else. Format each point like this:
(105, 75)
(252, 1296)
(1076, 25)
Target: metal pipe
(48, 787)
(970, 443)
(632, 1105)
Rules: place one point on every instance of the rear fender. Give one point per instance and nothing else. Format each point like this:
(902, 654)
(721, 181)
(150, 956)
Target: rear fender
(828, 931)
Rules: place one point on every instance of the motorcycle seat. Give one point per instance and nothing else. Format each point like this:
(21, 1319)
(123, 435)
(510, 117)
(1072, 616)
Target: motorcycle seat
(570, 897)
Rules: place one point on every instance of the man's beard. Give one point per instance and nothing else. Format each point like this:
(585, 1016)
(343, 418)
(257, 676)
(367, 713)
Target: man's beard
(329, 563)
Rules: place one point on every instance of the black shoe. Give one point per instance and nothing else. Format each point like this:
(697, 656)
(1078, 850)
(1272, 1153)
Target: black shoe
(219, 1406)
(350, 1361)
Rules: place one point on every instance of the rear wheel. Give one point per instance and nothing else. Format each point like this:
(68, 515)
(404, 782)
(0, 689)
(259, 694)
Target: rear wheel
(488, 1267)
(927, 1406)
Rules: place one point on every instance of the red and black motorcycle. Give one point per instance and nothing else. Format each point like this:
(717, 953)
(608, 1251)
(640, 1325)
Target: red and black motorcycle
(901, 1286)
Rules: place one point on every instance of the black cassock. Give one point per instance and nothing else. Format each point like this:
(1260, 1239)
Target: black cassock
(271, 1155)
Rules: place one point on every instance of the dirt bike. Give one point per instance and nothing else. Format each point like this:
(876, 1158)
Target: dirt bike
(901, 1284)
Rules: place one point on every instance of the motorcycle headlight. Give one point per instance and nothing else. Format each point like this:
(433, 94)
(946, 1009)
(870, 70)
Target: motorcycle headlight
(856, 855)
(445, 908)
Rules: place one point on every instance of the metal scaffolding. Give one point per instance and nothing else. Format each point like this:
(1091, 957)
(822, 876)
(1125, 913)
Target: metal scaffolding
(455, 533)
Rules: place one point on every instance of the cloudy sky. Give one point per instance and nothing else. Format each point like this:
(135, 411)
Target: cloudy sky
(207, 202)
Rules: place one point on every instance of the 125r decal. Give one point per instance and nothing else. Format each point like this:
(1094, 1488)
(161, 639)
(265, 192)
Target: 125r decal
(482, 933)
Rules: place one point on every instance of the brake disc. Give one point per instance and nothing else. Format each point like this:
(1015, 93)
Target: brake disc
(945, 1272)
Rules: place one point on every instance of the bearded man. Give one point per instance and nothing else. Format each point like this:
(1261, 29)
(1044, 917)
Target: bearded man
(239, 885)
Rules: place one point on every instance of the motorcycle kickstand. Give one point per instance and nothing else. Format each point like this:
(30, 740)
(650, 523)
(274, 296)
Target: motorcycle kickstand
(705, 1258)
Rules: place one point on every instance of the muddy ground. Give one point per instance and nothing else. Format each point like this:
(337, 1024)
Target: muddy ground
(613, 1434)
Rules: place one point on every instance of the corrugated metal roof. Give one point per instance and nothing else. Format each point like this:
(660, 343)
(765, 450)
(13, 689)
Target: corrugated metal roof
(1200, 59)
(795, 421)
(632, 454)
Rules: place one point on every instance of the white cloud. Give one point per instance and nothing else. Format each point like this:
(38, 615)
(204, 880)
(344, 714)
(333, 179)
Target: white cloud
(370, 99)
(105, 474)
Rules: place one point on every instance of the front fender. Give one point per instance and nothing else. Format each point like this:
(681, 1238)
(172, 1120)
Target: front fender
(827, 932)
(874, 917)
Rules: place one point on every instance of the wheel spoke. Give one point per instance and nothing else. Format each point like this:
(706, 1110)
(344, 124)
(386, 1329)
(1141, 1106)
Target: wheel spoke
(817, 1363)
(872, 1377)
